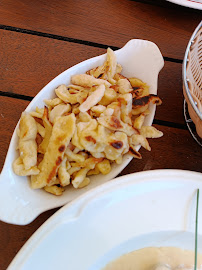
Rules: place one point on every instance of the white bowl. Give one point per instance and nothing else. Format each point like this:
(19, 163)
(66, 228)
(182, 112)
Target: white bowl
(153, 208)
(21, 204)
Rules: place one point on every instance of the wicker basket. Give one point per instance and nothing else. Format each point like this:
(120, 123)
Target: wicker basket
(192, 78)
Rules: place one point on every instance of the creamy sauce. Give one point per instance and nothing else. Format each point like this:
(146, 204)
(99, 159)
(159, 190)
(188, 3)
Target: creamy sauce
(164, 258)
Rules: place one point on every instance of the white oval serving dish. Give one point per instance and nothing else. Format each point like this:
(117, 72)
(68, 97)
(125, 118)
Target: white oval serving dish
(21, 204)
(152, 208)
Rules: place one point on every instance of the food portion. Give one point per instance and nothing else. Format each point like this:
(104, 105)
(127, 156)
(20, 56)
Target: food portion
(90, 124)
(153, 258)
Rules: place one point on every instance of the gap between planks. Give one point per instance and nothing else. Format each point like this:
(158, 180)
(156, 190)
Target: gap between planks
(156, 121)
(87, 43)
(72, 40)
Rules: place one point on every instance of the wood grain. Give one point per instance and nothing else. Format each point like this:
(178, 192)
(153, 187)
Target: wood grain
(44, 58)
(13, 237)
(10, 113)
(175, 150)
(60, 34)
(29, 62)
(171, 93)
(111, 23)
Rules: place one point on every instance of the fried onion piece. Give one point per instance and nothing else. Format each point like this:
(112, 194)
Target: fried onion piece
(145, 100)
(73, 89)
(27, 142)
(52, 102)
(138, 139)
(79, 177)
(64, 94)
(75, 139)
(86, 80)
(117, 145)
(132, 151)
(27, 127)
(84, 117)
(114, 123)
(74, 157)
(119, 76)
(139, 87)
(75, 109)
(98, 72)
(138, 122)
(90, 139)
(19, 169)
(93, 99)
(150, 132)
(28, 153)
(109, 96)
(111, 65)
(63, 175)
(48, 131)
(104, 166)
(84, 183)
(55, 190)
(126, 107)
(108, 111)
(141, 104)
(140, 109)
(97, 110)
(59, 110)
(118, 69)
(93, 171)
(63, 130)
(40, 130)
(88, 163)
(38, 113)
(124, 86)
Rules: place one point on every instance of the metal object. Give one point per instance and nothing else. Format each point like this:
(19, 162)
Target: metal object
(192, 78)
(191, 125)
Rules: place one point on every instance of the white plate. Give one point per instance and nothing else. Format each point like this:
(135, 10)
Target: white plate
(139, 58)
(197, 4)
(153, 208)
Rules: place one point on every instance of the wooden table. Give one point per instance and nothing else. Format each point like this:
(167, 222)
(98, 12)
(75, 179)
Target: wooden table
(40, 39)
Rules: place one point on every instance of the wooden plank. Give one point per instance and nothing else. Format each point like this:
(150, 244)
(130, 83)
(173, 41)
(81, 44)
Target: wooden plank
(44, 58)
(10, 113)
(13, 237)
(171, 93)
(111, 23)
(176, 149)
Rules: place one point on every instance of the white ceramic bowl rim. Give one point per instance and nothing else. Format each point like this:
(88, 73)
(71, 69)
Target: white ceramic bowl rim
(139, 58)
(92, 205)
